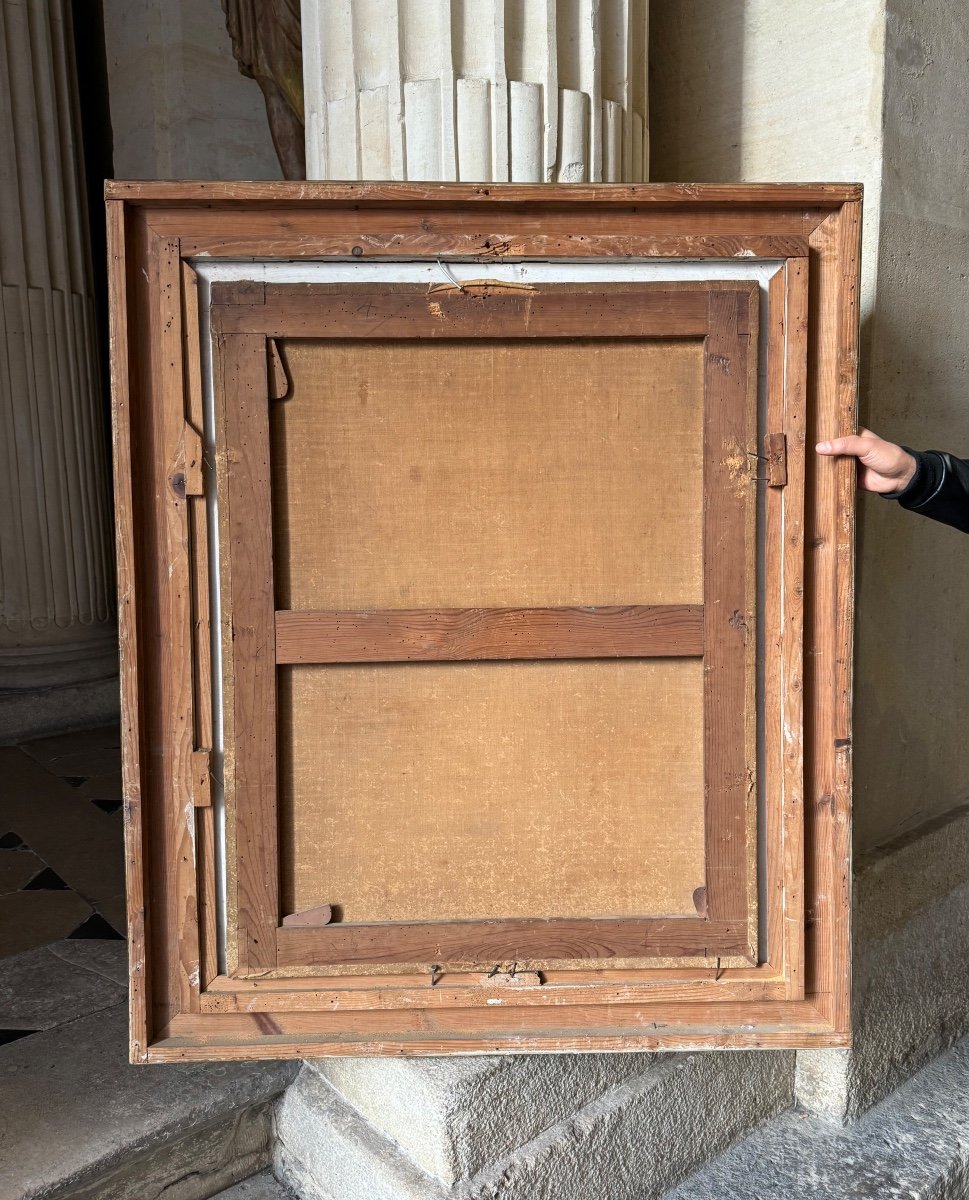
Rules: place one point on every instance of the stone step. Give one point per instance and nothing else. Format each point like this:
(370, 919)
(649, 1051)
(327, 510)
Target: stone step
(914, 1144)
(264, 1186)
(80, 1122)
(600, 1127)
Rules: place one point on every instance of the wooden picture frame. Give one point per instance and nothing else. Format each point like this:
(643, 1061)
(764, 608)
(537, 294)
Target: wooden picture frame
(226, 300)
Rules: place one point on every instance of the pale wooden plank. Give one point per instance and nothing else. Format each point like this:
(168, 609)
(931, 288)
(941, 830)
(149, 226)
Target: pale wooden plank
(176, 684)
(828, 617)
(792, 648)
(476, 996)
(136, 850)
(300, 192)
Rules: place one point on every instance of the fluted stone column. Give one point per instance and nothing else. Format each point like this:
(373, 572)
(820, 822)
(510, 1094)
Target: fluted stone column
(482, 90)
(56, 604)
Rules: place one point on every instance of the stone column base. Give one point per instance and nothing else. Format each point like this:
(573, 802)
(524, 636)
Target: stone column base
(28, 714)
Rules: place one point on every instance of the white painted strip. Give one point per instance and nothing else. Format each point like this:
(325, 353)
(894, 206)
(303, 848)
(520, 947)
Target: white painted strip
(217, 761)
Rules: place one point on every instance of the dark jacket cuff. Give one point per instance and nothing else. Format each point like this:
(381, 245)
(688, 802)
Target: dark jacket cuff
(939, 489)
(925, 483)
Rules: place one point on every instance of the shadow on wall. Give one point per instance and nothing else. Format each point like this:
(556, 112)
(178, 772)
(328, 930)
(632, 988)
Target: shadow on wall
(912, 637)
(696, 70)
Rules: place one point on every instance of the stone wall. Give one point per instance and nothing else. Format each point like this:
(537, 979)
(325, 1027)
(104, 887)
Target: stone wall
(737, 93)
(912, 708)
(179, 107)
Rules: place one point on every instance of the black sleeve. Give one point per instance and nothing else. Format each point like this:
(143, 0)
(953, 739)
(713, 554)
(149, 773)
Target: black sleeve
(939, 488)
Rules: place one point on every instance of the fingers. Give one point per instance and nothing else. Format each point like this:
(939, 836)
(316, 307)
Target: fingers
(855, 445)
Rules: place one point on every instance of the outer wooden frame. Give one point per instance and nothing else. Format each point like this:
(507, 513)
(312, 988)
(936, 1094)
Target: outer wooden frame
(181, 1008)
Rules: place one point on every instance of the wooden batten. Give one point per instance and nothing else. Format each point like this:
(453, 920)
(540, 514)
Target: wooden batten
(637, 631)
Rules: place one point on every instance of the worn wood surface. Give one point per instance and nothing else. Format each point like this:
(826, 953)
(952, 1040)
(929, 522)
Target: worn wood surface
(728, 606)
(785, 222)
(206, 848)
(137, 851)
(426, 635)
(248, 643)
(789, 544)
(175, 694)
(406, 311)
(501, 1028)
(739, 196)
(473, 996)
(832, 401)
(509, 941)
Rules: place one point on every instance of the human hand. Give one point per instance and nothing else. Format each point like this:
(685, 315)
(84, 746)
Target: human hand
(882, 466)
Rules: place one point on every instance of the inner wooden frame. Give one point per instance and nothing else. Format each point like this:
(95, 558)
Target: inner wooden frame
(183, 1007)
(723, 316)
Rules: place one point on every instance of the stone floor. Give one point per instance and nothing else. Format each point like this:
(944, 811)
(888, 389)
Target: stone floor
(61, 845)
(61, 879)
(76, 1120)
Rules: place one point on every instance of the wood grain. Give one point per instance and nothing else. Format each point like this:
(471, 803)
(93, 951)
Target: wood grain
(471, 997)
(502, 1030)
(790, 544)
(832, 400)
(730, 456)
(196, 193)
(405, 311)
(447, 992)
(206, 849)
(248, 642)
(426, 635)
(509, 941)
(137, 851)
(175, 694)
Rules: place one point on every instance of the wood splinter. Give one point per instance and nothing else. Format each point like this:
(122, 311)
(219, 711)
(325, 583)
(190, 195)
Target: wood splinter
(520, 979)
(776, 446)
(310, 917)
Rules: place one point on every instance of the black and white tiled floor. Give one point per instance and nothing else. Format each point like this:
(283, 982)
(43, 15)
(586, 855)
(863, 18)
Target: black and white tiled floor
(61, 876)
(76, 1117)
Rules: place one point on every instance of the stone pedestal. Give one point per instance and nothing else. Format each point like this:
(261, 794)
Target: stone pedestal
(482, 90)
(56, 580)
(535, 1127)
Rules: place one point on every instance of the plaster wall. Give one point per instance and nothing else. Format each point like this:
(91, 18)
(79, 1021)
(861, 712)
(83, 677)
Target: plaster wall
(770, 91)
(911, 707)
(737, 93)
(180, 109)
